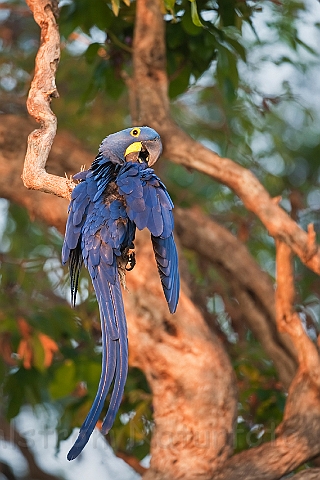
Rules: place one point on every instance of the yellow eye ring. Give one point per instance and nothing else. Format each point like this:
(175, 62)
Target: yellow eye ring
(135, 132)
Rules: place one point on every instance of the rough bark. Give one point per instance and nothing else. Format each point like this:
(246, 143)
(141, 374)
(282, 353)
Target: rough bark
(256, 298)
(177, 354)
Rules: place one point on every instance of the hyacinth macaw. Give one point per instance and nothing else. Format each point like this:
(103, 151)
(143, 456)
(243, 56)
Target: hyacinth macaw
(118, 193)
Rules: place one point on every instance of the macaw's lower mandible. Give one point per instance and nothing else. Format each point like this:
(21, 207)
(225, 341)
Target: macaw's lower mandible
(118, 193)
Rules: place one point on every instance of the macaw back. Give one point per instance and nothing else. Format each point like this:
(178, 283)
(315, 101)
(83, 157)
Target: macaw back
(107, 205)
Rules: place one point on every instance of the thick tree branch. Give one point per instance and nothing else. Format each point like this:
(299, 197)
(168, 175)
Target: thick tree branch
(194, 403)
(298, 435)
(256, 298)
(43, 89)
(288, 320)
(152, 105)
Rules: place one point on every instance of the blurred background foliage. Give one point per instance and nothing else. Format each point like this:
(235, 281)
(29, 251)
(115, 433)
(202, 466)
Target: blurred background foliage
(243, 80)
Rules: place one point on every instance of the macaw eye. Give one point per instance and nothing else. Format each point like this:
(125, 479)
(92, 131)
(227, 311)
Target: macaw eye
(135, 132)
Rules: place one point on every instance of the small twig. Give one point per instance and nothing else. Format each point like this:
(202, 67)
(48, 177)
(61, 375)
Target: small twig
(43, 89)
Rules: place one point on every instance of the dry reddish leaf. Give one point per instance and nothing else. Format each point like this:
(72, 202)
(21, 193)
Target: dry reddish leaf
(25, 353)
(25, 348)
(50, 348)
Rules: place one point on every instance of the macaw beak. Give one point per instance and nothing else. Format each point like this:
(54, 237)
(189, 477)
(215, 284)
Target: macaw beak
(154, 149)
(147, 151)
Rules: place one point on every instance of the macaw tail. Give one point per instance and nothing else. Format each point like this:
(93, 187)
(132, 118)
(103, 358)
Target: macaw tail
(114, 359)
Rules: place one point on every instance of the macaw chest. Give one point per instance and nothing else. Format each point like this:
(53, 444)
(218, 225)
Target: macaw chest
(111, 194)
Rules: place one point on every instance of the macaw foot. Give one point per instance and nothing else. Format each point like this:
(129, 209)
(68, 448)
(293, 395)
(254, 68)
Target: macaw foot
(131, 260)
(126, 263)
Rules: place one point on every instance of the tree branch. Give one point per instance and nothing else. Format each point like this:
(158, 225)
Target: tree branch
(256, 298)
(193, 384)
(288, 320)
(298, 435)
(43, 89)
(310, 474)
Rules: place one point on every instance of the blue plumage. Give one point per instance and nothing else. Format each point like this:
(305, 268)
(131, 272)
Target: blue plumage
(119, 193)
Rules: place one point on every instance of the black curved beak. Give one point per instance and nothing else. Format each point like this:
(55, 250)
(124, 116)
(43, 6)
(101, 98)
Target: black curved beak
(153, 150)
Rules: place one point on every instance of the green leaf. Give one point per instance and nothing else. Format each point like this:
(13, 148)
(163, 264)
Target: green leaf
(169, 5)
(189, 25)
(64, 381)
(194, 14)
(91, 52)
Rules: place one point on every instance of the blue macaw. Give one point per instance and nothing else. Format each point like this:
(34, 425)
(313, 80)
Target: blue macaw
(118, 193)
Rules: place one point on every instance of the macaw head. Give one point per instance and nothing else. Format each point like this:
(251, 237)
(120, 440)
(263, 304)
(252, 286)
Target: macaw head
(141, 144)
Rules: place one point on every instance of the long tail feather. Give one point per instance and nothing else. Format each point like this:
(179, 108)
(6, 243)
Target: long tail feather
(122, 361)
(113, 347)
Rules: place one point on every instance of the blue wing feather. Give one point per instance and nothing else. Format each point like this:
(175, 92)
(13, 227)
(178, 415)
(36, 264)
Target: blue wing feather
(167, 261)
(153, 210)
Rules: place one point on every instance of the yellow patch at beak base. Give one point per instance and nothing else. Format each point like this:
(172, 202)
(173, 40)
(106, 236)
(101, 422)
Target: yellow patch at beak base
(134, 147)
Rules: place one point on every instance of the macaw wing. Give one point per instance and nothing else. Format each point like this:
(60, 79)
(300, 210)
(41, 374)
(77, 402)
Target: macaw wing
(149, 205)
(165, 252)
(71, 250)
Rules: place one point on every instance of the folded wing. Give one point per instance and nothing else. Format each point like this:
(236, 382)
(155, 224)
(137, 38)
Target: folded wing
(150, 206)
